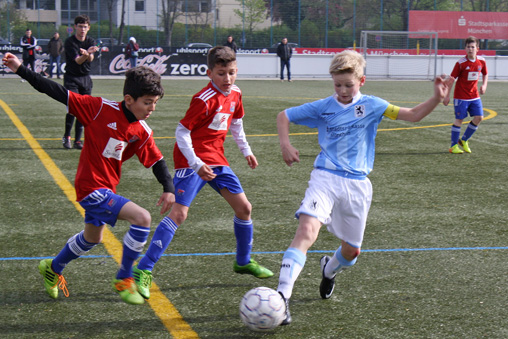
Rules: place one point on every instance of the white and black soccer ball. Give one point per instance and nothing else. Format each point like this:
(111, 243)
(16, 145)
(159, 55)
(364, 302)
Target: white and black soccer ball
(262, 309)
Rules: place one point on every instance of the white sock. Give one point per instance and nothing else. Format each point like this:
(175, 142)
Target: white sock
(292, 264)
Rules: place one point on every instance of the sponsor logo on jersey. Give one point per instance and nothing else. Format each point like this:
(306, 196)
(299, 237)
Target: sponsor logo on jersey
(220, 122)
(112, 125)
(133, 139)
(114, 149)
(359, 111)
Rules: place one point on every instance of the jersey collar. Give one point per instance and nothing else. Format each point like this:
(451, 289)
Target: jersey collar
(128, 114)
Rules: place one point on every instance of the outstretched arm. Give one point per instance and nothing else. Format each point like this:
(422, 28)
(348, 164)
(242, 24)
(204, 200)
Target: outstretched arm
(442, 85)
(41, 84)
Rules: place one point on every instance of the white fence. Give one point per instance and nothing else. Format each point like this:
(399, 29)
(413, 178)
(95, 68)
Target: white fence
(378, 66)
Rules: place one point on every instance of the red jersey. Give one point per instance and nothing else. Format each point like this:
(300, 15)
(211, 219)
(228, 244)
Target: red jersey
(208, 118)
(110, 140)
(467, 73)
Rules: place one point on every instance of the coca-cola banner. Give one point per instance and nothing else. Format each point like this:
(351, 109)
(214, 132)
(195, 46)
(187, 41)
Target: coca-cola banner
(460, 25)
(165, 61)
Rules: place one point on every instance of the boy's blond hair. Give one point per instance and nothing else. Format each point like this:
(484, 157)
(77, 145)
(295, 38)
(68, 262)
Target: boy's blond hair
(348, 61)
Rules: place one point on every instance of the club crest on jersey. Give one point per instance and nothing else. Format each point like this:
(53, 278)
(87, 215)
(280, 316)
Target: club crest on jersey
(232, 107)
(359, 111)
(133, 139)
(114, 149)
(220, 122)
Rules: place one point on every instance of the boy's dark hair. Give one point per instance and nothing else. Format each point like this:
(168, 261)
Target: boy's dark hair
(82, 19)
(140, 81)
(472, 39)
(220, 55)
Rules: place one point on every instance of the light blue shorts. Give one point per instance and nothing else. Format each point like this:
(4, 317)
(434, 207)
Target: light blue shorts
(102, 206)
(188, 183)
(462, 107)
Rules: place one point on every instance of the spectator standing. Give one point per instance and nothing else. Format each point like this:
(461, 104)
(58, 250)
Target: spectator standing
(55, 49)
(231, 43)
(284, 52)
(28, 42)
(79, 54)
(131, 52)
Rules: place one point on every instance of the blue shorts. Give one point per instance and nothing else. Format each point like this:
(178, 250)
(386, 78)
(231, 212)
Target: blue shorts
(102, 206)
(188, 183)
(462, 107)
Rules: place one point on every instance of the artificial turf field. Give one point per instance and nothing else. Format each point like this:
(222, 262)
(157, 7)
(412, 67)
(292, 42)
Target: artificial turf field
(434, 261)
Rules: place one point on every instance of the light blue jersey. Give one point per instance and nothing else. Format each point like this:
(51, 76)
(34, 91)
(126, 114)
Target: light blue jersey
(346, 133)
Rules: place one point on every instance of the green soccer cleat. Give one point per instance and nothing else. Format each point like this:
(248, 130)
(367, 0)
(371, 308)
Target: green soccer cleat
(465, 145)
(455, 149)
(143, 280)
(254, 269)
(52, 281)
(128, 291)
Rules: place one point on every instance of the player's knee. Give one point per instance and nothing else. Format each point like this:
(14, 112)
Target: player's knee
(244, 211)
(178, 216)
(142, 218)
(350, 252)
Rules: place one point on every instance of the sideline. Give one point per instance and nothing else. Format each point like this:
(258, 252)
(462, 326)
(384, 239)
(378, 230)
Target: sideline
(163, 308)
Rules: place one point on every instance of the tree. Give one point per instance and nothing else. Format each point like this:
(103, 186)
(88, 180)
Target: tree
(10, 19)
(170, 12)
(253, 12)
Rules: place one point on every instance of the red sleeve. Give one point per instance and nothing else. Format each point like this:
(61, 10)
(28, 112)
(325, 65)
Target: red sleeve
(456, 71)
(84, 107)
(193, 116)
(149, 154)
(484, 67)
(239, 112)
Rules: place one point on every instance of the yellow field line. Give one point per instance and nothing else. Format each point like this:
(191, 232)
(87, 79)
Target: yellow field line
(491, 115)
(162, 307)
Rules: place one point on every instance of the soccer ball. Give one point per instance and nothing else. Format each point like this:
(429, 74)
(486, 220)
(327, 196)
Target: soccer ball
(262, 309)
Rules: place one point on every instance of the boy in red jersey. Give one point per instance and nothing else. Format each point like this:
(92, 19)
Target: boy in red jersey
(199, 159)
(466, 97)
(115, 131)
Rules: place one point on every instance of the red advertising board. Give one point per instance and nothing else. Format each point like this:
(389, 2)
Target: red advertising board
(460, 25)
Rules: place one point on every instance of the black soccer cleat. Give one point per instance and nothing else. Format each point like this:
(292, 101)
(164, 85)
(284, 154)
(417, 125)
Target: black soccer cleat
(78, 145)
(288, 319)
(327, 285)
(66, 141)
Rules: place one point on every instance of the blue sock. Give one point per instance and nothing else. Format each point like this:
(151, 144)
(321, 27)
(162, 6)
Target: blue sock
(455, 134)
(468, 133)
(160, 241)
(76, 246)
(243, 233)
(133, 243)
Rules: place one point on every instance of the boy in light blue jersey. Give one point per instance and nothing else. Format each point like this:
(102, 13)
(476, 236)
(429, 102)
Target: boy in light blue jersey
(339, 193)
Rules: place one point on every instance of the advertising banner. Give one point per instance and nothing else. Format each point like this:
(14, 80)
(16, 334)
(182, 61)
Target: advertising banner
(460, 25)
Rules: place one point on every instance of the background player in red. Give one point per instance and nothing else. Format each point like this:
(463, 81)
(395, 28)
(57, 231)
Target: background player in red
(466, 97)
(199, 159)
(115, 131)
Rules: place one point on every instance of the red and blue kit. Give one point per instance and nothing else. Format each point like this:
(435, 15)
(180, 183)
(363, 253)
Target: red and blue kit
(467, 73)
(209, 118)
(110, 133)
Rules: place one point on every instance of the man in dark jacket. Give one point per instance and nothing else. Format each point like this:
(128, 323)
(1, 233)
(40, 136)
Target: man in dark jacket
(284, 51)
(28, 42)
(55, 49)
(79, 54)
(231, 43)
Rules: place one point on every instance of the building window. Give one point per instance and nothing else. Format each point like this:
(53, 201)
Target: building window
(140, 5)
(195, 6)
